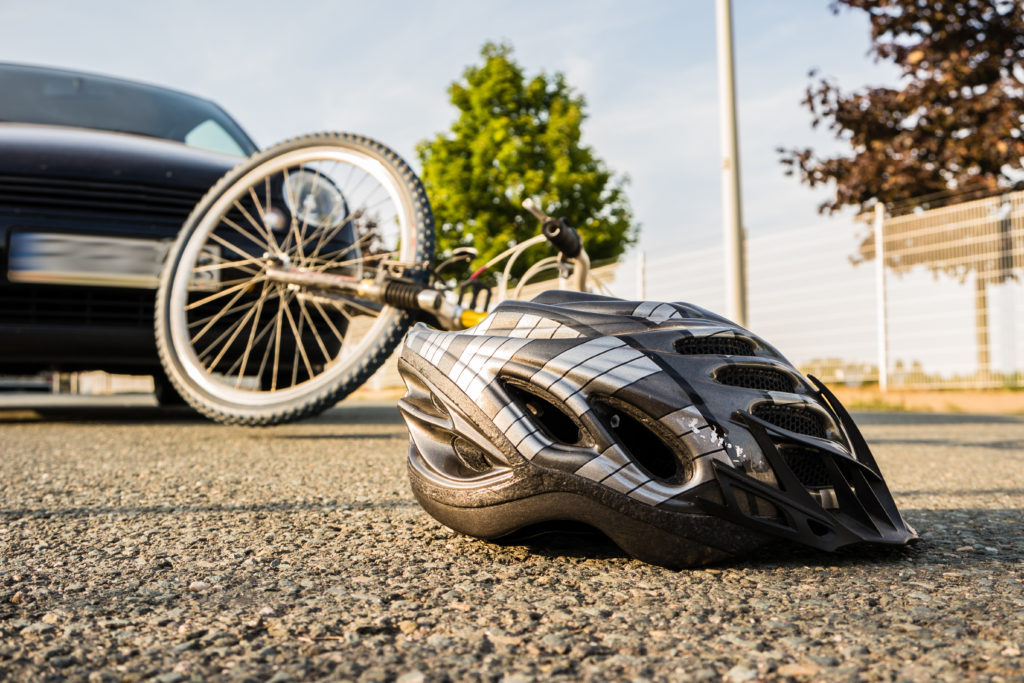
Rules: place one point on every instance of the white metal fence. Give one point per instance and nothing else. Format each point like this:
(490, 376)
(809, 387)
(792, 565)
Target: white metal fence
(953, 291)
(953, 294)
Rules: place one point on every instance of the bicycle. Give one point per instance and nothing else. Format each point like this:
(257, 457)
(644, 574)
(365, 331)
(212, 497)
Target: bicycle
(297, 275)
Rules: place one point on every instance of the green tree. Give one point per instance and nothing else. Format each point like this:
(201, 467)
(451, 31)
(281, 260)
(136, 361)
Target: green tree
(516, 138)
(957, 122)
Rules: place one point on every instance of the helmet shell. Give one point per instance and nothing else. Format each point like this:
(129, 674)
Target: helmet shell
(683, 437)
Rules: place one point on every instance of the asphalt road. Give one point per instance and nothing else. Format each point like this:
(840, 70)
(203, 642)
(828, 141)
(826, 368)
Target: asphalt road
(138, 544)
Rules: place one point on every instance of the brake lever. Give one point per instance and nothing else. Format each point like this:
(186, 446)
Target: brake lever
(470, 293)
(459, 255)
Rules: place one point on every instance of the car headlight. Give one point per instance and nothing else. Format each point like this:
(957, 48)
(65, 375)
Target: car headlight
(314, 199)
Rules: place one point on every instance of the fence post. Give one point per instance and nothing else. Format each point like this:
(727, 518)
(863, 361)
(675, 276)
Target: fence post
(880, 307)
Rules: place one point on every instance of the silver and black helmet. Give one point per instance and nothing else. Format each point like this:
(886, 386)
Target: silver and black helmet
(680, 435)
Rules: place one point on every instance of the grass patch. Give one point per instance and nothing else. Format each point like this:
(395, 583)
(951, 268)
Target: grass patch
(880, 405)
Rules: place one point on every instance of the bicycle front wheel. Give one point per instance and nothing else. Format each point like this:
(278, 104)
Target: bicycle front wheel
(244, 348)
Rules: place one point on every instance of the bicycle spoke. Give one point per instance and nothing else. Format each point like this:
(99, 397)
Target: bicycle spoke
(253, 340)
(271, 240)
(316, 334)
(324, 265)
(206, 352)
(228, 245)
(298, 344)
(360, 308)
(227, 345)
(302, 229)
(368, 207)
(292, 201)
(224, 292)
(202, 321)
(263, 245)
(243, 360)
(282, 303)
(237, 280)
(345, 250)
(230, 264)
(300, 348)
(240, 307)
(328, 235)
(324, 238)
(266, 198)
(267, 230)
(327, 319)
(266, 350)
(217, 316)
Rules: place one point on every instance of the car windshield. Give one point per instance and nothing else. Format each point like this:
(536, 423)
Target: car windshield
(65, 98)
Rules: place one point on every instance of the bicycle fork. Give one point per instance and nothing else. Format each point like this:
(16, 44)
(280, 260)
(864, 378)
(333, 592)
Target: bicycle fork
(367, 295)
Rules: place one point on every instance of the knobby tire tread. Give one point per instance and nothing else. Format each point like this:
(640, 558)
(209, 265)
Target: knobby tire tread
(371, 361)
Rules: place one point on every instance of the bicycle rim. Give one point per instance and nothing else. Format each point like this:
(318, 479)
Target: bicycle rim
(243, 340)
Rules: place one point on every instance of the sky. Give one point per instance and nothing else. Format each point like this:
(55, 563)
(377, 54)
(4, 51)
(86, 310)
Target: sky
(647, 69)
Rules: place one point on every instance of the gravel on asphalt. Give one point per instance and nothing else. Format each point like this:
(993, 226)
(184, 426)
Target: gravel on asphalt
(137, 544)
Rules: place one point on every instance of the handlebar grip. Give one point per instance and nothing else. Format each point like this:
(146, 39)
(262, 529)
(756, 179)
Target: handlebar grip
(563, 236)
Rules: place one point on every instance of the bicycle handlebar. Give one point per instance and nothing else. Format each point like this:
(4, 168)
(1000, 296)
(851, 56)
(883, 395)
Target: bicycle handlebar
(563, 236)
(557, 230)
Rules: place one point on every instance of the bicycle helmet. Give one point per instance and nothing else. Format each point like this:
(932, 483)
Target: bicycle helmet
(678, 434)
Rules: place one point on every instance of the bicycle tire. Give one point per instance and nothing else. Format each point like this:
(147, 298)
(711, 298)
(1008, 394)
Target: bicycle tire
(233, 233)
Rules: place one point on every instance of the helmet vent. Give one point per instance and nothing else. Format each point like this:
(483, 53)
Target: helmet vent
(552, 419)
(807, 466)
(792, 418)
(714, 346)
(756, 506)
(470, 455)
(752, 377)
(438, 406)
(647, 448)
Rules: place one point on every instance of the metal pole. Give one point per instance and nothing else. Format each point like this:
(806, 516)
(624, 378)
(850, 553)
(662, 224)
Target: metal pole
(880, 305)
(735, 276)
(641, 276)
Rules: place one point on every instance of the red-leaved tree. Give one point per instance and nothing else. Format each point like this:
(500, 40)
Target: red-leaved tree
(955, 124)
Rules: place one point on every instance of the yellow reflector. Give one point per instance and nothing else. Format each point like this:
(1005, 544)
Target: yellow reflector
(470, 318)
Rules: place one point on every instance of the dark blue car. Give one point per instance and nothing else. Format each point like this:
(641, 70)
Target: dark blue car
(97, 175)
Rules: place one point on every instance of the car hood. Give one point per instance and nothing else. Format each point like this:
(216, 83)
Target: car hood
(53, 151)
